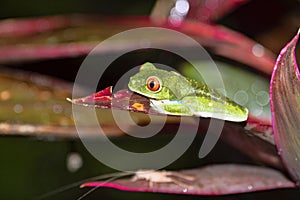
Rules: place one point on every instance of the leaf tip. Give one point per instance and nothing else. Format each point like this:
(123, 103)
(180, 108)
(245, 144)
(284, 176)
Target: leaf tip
(69, 99)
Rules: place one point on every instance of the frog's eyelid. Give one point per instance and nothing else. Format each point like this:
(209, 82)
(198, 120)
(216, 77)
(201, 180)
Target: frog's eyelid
(155, 78)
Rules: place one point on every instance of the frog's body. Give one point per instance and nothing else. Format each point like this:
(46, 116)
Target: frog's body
(173, 94)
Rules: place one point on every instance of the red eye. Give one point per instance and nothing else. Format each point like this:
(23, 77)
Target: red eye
(153, 84)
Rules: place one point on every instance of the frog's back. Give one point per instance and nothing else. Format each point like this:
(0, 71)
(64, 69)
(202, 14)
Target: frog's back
(202, 90)
(207, 97)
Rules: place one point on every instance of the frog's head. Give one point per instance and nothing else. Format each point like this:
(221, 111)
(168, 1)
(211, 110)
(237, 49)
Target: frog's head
(157, 83)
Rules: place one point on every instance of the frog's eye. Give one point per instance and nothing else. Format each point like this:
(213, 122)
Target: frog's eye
(153, 84)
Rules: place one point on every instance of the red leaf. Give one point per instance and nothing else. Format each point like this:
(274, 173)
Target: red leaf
(22, 27)
(234, 133)
(285, 107)
(17, 46)
(211, 10)
(122, 100)
(209, 180)
(100, 99)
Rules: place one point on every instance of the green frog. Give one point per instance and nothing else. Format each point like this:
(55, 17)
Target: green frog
(173, 94)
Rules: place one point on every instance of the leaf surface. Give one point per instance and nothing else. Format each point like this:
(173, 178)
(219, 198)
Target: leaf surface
(210, 180)
(285, 107)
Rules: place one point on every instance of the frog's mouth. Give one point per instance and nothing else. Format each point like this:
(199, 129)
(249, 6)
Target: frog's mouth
(146, 96)
(139, 93)
(130, 85)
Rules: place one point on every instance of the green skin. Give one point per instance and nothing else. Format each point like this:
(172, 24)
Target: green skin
(184, 97)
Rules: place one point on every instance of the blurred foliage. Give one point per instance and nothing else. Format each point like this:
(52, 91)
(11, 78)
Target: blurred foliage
(40, 104)
(18, 8)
